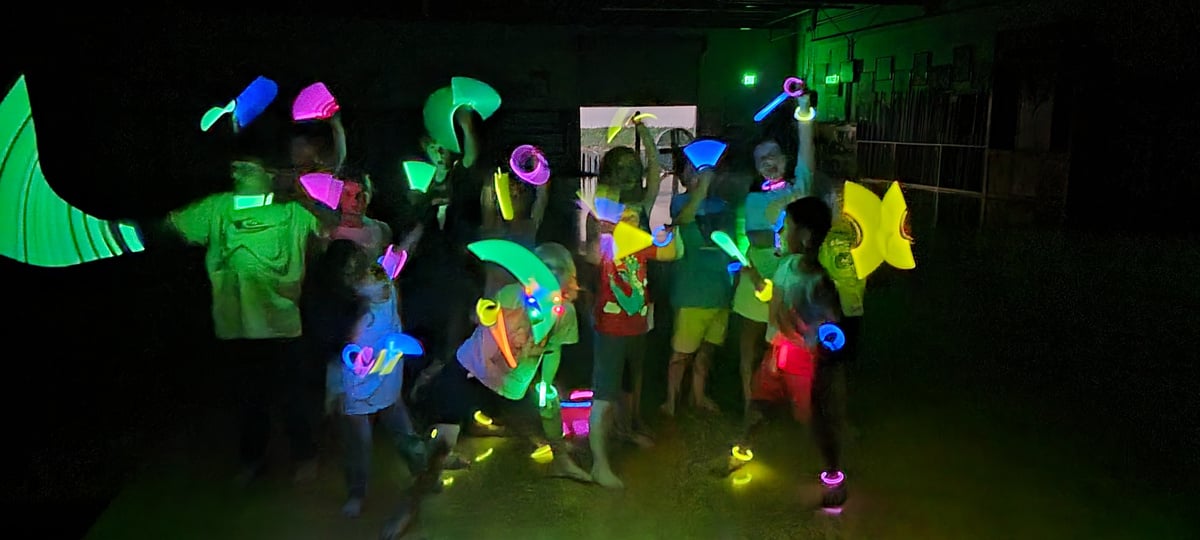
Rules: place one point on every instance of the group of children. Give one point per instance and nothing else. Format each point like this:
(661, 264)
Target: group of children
(262, 236)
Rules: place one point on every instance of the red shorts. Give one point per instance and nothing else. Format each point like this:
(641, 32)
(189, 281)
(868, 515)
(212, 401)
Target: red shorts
(786, 374)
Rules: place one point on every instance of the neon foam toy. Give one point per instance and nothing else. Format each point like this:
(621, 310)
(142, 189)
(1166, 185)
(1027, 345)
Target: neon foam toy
(723, 241)
(324, 188)
(539, 174)
(366, 361)
(443, 103)
(620, 121)
(540, 284)
(773, 184)
(628, 240)
(315, 102)
(500, 182)
(575, 412)
(420, 175)
(245, 202)
(704, 154)
(831, 337)
(246, 107)
(393, 261)
(792, 87)
(38, 227)
(882, 228)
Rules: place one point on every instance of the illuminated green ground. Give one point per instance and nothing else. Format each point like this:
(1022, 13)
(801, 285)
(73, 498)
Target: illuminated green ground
(1041, 400)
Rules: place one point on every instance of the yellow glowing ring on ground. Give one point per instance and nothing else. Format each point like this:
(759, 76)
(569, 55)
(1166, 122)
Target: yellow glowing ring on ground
(742, 479)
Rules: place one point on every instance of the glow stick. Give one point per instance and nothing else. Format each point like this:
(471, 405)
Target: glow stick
(792, 87)
(539, 281)
(723, 241)
(503, 196)
(254, 100)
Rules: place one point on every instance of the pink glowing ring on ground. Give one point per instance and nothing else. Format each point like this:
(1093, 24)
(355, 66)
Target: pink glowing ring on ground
(833, 510)
(833, 480)
(794, 86)
(541, 169)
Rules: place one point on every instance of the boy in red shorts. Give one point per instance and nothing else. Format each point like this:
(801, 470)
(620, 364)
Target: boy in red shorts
(803, 367)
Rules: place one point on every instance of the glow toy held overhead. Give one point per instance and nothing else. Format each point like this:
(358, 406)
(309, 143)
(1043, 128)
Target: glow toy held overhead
(792, 87)
(500, 182)
(443, 103)
(393, 261)
(314, 103)
(542, 290)
(365, 361)
(39, 227)
(705, 153)
(723, 241)
(420, 175)
(882, 228)
(324, 188)
(539, 174)
(621, 120)
(625, 239)
(246, 107)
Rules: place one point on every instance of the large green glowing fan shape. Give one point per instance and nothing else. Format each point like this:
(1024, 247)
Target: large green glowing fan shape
(37, 226)
(443, 103)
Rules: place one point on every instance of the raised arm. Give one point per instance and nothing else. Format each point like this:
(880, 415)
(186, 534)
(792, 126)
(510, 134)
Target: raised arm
(465, 116)
(806, 164)
(653, 169)
(540, 203)
(339, 140)
(688, 213)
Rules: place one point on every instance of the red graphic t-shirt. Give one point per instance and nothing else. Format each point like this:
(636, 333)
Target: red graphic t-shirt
(622, 301)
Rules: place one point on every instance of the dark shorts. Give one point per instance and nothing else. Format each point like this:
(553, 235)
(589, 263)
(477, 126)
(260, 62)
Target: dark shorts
(454, 396)
(610, 354)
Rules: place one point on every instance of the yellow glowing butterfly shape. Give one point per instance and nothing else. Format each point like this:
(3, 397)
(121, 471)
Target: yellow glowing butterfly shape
(881, 227)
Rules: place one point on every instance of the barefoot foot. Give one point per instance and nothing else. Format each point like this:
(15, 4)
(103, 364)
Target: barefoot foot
(607, 479)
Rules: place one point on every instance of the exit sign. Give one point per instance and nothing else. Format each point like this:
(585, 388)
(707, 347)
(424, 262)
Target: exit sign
(749, 79)
(832, 79)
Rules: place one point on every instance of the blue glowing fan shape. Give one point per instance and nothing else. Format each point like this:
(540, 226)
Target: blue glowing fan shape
(705, 154)
(831, 336)
(254, 100)
(608, 210)
(403, 343)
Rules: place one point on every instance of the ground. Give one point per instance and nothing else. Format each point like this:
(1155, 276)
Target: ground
(1049, 398)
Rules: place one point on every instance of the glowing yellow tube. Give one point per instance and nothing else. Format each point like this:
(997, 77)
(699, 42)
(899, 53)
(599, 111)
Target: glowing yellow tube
(500, 182)
(486, 454)
(482, 419)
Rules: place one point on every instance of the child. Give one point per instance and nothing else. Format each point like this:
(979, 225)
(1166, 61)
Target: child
(762, 223)
(373, 298)
(523, 229)
(798, 369)
(621, 315)
(482, 380)
(700, 292)
(255, 257)
(370, 234)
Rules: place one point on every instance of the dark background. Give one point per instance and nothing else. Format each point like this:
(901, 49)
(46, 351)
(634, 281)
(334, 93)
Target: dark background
(108, 358)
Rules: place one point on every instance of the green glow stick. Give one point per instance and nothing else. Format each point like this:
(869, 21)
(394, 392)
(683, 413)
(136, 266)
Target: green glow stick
(727, 245)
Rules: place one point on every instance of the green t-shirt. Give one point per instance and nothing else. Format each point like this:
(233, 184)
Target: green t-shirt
(835, 258)
(255, 261)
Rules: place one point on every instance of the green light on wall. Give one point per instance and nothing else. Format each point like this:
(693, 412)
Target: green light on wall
(832, 79)
(749, 79)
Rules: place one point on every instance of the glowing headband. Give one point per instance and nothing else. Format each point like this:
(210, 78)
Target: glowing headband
(420, 175)
(323, 187)
(540, 173)
(882, 228)
(540, 284)
(792, 87)
(393, 261)
(246, 107)
(704, 154)
(443, 103)
(314, 103)
(39, 227)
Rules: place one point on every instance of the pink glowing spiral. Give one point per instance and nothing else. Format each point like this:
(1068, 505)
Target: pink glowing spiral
(541, 169)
